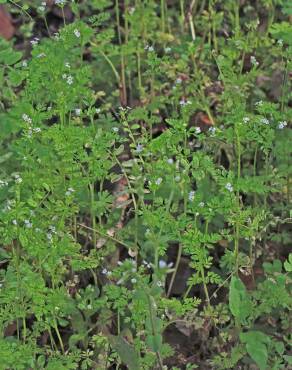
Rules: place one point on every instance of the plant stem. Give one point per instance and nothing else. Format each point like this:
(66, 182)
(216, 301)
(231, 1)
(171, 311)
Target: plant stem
(92, 211)
(178, 258)
(237, 225)
(153, 329)
(162, 9)
(59, 335)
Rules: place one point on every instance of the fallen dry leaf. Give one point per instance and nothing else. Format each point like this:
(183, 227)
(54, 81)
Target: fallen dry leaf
(6, 27)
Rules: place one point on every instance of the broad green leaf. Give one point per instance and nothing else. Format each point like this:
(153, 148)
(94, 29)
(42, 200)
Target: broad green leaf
(127, 352)
(154, 342)
(9, 56)
(288, 263)
(256, 345)
(239, 302)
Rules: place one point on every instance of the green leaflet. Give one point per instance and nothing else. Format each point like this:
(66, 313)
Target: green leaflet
(127, 352)
(239, 301)
(256, 345)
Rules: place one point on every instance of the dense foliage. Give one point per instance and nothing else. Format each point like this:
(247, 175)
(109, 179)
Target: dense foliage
(145, 185)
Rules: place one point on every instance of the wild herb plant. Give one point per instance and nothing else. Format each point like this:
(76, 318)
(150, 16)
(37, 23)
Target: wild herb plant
(146, 186)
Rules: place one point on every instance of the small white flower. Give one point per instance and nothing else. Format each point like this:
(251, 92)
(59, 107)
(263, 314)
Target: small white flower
(37, 129)
(178, 80)
(139, 148)
(115, 129)
(69, 80)
(26, 118)
(162, 264)
(41, 55)
(3, 183)
(198, 130)
(78, 112)
(191, 195)
(149, 48)
(60, 2)
(159, 283)
(177, 178)
(170, 161)
(265, 121)
(229, 187)
(104, 271)
(18, 179)
(282, 124)
(24, 63)
(158, 181)
(259, 103)
(280, 42)
(14, 222)
(53, 229)
(131, 10)
(28, 224)
(253, 61)
(201, 204)
(246, 119)
(97, 110)
(77, 33)
(185, 102)
(212, 130)
(67, 65)
(49, 236)
(69, 191)
(41, 9)
(35, 41)
(167, 49)
(64, 76)
(133, 281)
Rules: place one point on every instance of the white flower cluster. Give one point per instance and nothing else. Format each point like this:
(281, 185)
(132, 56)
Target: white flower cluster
(282, 124)
(212, 130)
(18, 179)
(149, 48)
(158, 181)
(69, 191)
(139, 148)
(229, 187)
(42, 7)
(191, 196)
(183, 102)
(77, 33)
(69, 79)
(253, 61)
(27, 224)
(3, 183)
(52, 231)
(34, 41)
(60, 2)
(26, 118)
(265, 121)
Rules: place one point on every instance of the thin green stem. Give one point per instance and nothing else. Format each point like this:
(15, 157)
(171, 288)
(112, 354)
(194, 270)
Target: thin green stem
(178, 258)
(237, 223)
